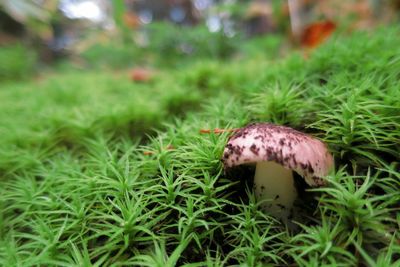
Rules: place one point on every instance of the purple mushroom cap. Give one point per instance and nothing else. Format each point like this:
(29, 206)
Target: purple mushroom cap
(294, 150)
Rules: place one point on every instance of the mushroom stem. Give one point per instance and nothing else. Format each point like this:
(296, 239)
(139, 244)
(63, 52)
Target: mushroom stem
(274, 183)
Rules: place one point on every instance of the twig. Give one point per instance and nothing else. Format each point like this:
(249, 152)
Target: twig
(218, 131)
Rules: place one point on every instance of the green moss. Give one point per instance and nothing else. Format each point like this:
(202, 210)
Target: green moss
(98, 170)
(17, 62)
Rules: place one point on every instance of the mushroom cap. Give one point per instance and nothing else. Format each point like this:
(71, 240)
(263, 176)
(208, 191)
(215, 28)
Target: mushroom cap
(294, 150)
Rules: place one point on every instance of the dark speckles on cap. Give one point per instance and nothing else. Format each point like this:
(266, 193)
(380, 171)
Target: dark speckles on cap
(303, 166)
(318, 181)
(290, 148)
(266, 129)
(238, 150)
(310, 168)
(254, 149)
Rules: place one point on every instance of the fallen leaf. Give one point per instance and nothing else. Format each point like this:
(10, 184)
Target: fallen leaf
(141, 75)
(316, 33)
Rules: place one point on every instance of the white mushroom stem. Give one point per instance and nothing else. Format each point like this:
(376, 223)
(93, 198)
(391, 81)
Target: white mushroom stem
(274, 185)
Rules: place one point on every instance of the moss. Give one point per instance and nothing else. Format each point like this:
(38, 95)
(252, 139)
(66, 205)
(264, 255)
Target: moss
(95, 169)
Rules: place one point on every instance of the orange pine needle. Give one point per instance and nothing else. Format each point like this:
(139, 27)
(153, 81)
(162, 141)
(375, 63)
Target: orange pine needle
(217, 131)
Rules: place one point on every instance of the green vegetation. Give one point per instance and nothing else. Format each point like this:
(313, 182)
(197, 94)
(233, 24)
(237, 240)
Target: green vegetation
(168, 45)
(98, 170)
(17, 62)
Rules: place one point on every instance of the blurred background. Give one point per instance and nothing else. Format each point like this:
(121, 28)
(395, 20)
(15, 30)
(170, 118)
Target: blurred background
(38, 35)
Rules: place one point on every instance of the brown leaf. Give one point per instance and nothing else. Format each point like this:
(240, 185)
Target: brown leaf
(141, 75)
(316, 33)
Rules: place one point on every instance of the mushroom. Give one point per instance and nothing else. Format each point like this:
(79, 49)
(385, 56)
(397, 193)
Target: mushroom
(277, 151)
